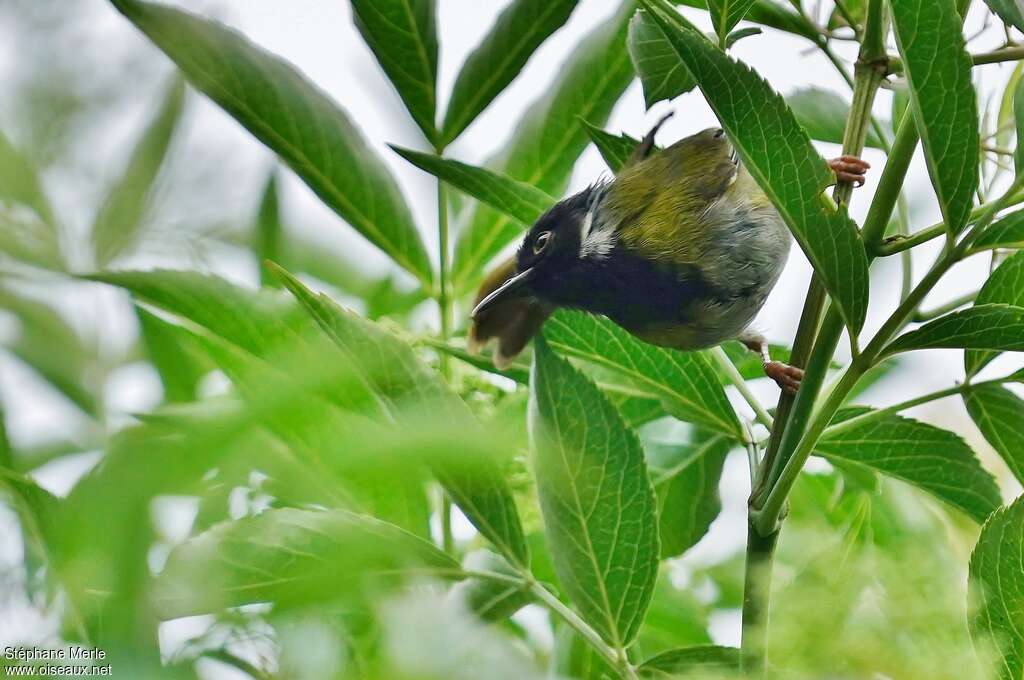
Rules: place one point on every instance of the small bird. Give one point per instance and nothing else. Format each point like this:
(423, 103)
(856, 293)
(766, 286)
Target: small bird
(681, 249)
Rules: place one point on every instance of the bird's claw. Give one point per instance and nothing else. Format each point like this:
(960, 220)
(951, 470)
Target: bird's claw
(849, 169)
(785, 376)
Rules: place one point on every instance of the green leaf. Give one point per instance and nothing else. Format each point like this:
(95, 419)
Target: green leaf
(289, 558)
(548, 141)
(770, 13)
(1004, 286)
(740, 34)
(999, 414)
(516, 34)
(823, 114)
(938, 68)
(614, 149)
(1007, 232)
(121, 217)
(518, 200)
(661, 73)
(685, 381)
(725, 14)
(475, 485)
(268, 236)
(993, 327)
(1018, 117)
(175, 357)
(491, 599)
(778, 154)
(995, 583)
(930, 458)
(686, 478)
(598, 505)
(403, 36)
(293, 117)
(1010, 11)
(703, 658)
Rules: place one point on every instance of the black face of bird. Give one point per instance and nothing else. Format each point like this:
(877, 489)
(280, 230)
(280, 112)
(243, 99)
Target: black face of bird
(549, 256)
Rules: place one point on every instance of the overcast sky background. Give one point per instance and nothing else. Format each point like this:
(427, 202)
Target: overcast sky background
(319, 38)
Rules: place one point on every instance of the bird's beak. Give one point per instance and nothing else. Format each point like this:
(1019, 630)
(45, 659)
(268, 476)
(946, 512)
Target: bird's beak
(513, 289)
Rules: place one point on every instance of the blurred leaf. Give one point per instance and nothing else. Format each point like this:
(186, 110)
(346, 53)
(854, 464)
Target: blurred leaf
(295, 119)
(1005, 120)
(1007, 232)
(685, 381)
(1004, 286)
(175, 357)
(518, 200)
(1010, 11)
(574, 658)
(547, 142)
(289, 558)
(725, 14)
(491, 599)
(661, 73)
(776, 151)
(476, 486)
(686, 478)
(1018, 116)
(823, 113)
(598, 505)
(121, 218)
(51, 347)
(20, 183)
(268, 236)
(614, 149)
(749, 364)
(680, 662)
(858, 10)
(996, 585)
(676, 618)
(993, 327)
(932, 459)
(999, 414)
(516, 34)
(938, 67)
(403, 37)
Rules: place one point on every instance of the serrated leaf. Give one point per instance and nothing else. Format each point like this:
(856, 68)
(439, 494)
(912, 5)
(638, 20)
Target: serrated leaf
(614, 149)
(403, 36)
(725, 14)
(1006, 232)
(996, 584)
(518, 200)
(929, 34)
(993, 327)
(686, 478)
(598, 505)
(769, 13)
(999, 414)
(295, 119)
(475, 485)
(121, 217)
(661, 73)
(547, 142)
(268, 233)
(685, 381)
(516, 34)
(289, 558)
(925, 456)
(1004, 286)
(701, 659)
(823, 114)
(1010, 11)
(778, 154)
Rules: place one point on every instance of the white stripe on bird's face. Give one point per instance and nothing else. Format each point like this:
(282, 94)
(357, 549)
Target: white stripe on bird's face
(595, 241)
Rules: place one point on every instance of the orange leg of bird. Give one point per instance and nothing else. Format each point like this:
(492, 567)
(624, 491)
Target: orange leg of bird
(849, 169)
(785, 376)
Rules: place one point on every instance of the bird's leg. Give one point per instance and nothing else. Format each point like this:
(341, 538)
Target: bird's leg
(849, 169)
(785, 376)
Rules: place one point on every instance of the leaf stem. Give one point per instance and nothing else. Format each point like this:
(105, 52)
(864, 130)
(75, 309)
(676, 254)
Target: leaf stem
(444, 304)
(757, 580)
(922, 316)
(1011, 53)
(725, 363)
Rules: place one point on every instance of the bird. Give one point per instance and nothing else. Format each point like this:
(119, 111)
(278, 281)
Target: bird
(680, 248)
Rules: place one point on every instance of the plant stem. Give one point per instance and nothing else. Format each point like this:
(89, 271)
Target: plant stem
(444, 304)
(921, 316)
(741, 385)
(1014, 53)
(757, 581)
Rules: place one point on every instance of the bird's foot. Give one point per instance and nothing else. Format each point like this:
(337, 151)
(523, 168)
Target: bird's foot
(785, 376)
(849, 169)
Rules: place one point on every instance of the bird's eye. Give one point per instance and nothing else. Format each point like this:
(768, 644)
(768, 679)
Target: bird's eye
(542, 241)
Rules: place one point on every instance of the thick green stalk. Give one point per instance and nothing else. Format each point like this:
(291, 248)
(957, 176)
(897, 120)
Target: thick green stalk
(757, 582)
(444, 304)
